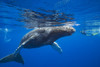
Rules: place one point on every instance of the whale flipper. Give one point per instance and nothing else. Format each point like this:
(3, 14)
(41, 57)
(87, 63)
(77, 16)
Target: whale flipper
(18, 58)
(56, 47)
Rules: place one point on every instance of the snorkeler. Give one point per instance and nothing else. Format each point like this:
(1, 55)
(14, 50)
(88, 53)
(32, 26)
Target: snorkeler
(87, 33)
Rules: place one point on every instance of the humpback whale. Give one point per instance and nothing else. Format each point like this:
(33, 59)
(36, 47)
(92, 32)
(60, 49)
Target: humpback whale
(39, 37)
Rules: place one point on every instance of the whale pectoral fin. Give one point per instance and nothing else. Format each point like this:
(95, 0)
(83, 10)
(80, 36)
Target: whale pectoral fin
(56, 47)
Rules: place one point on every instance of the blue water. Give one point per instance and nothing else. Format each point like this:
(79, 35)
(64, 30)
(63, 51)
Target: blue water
(78, 50)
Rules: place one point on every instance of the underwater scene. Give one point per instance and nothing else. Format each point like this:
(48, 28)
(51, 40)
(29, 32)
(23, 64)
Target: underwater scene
(49, 33)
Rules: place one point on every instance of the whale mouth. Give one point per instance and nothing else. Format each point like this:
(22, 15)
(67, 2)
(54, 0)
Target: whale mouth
(72, 30)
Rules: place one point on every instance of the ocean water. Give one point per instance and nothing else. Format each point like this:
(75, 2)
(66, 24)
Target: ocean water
(79, 50)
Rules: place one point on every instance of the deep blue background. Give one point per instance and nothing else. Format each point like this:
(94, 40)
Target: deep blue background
(78, 50)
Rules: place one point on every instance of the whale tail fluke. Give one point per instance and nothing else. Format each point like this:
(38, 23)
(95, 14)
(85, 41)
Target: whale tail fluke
(18, 58)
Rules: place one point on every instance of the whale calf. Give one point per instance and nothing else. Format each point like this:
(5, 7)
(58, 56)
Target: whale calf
(39, 37)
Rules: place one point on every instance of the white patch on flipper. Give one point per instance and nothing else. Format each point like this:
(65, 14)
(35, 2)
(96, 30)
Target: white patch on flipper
(56, 47)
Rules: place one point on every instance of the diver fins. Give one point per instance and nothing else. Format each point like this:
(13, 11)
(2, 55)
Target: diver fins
(18, 58)
(56, 47)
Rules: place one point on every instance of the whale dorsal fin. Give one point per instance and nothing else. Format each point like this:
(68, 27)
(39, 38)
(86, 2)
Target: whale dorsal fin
(56, 47)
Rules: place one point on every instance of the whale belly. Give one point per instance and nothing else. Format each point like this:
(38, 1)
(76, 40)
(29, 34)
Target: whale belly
(34, 39)
(33, 44)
